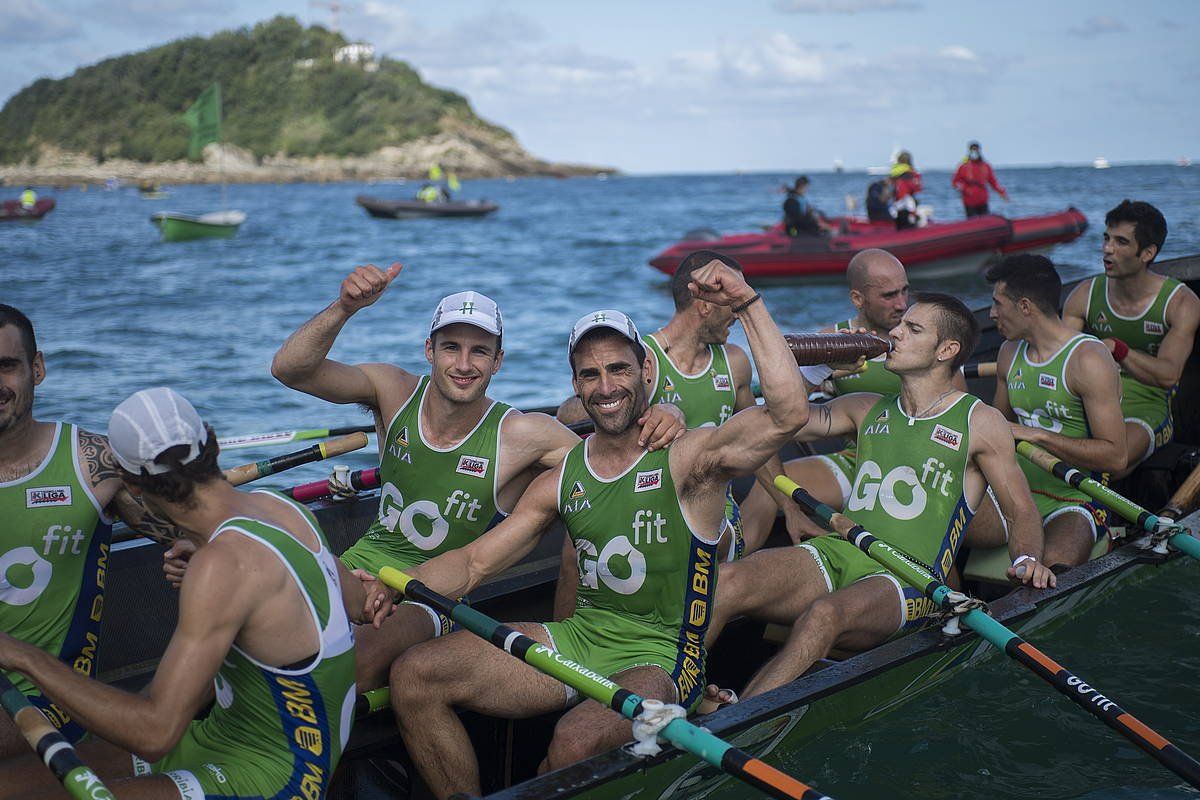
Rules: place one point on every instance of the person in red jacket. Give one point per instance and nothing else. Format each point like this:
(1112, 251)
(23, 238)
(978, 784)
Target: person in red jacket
(972, 179)
(906, 183)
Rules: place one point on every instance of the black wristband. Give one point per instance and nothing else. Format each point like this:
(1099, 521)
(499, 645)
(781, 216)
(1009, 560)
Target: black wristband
(740, 308)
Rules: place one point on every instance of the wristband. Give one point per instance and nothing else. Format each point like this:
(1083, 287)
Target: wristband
(740, 308)
(1120, 350)
(815, 374)
(1019, 560)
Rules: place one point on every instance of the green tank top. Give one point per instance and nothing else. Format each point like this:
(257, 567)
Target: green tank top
(1144, 332)
(910, 486)
(875, 377)
(54, 541)
(435, 500)
(638, 557)
(289, 721)
(706, 398)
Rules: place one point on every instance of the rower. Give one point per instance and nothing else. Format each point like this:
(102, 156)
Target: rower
(925, 457)
(1061, 391)
(262, 626)
(645, 527)
(451, 458)
(693, 366)
(59, 495)
(1147, 321)
(879, 293)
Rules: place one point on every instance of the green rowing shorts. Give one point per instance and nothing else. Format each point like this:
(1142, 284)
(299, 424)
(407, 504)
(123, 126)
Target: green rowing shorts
(844, 466)
(1150, 411)
(608, 643)
(843, 564)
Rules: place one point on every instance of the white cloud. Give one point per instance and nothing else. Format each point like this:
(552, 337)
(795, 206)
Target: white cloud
(844, 6)
(1098, 26)
(32, 21)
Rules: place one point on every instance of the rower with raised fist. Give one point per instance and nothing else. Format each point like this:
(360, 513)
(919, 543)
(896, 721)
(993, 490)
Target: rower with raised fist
(452, 459)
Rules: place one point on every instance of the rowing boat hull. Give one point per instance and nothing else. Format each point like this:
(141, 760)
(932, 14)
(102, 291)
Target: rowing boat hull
(185, 228)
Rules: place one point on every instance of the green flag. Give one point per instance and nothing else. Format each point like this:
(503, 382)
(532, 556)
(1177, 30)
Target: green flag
(204, 118)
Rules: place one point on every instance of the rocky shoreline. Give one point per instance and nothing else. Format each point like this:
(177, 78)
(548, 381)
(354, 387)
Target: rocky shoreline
(469, 153)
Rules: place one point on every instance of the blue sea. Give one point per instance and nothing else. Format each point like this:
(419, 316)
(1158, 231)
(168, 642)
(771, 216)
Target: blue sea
(117, 310)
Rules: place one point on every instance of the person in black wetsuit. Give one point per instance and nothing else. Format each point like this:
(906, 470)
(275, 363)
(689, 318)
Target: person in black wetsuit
(799, 217)
(879, 196)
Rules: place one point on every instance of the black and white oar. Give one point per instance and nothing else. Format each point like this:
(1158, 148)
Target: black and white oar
(679, 732)
(975, 617)
(318, 452)
(51, 746)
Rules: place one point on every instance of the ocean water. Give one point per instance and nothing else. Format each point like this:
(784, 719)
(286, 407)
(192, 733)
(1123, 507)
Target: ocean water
(117, 310)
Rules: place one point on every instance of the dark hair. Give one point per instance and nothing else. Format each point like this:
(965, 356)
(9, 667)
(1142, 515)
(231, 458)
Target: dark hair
(955, 322)
(683, 274)
(12, 316)
(801, 181)
(1030, 276)
(602, 332)
(177, 485)
(1149, 225)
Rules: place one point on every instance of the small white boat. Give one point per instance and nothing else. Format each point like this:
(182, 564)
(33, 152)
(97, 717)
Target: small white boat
(1100, 162)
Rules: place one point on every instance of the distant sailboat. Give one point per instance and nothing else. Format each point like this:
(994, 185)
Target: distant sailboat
(204, 118)
(1100, 162)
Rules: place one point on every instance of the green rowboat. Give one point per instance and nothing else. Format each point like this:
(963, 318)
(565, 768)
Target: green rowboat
(184, 227)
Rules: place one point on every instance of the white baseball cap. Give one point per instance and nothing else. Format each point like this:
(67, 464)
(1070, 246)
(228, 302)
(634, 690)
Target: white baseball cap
(472, 308)
(605, 318)
(148, 423)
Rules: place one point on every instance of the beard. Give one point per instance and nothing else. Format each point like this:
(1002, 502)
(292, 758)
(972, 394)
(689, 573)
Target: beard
(615, 425)
(17, 406)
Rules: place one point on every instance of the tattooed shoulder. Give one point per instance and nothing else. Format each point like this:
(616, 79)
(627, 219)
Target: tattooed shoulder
(96, 458)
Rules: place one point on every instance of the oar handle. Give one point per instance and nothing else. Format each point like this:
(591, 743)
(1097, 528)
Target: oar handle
(361, 480)
(678, 732)
(983, 369)
(318, 452)
(51, 746)
(1184, 499)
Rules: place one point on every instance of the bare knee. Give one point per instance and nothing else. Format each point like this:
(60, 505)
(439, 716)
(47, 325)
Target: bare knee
(414, 678)
(824, 615)
(572, 743)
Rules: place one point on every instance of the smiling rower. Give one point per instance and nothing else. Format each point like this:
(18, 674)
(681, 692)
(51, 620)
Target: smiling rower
(451, 458)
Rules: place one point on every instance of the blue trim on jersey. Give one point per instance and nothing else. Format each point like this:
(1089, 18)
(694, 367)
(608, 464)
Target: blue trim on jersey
(295, 696)
(952, 540)
(688, 672)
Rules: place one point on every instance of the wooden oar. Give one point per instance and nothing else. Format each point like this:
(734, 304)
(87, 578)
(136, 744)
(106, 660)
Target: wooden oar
(51, 746)
(287, 437)
(678, 732)
(361, 480)
(318, 452)
(1184, 499)
(1176, 535)
(984, 369)
(1084, 695)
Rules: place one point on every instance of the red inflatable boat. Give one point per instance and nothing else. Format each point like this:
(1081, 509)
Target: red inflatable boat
(13, 210)
(936, 250)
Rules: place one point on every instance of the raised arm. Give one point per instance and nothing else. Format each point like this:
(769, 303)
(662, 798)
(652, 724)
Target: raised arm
(1093, 376)
(457, 572)
(993, 449)
(1165, 368)
(214, 603)
(756, 433)
(302, 362)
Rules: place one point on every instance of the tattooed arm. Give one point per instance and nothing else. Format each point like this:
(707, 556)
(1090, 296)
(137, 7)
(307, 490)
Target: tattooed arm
(104, 479)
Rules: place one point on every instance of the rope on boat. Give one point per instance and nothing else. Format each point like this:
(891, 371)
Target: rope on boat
(655, 716)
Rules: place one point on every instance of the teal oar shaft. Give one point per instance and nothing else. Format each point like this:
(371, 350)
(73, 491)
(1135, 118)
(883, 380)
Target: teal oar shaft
(51, 746)
(1085, 696)
(678, 732)
(1125, 508)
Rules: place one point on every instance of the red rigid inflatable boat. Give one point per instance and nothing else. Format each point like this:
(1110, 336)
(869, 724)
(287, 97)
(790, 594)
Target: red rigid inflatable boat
(936, 250)
(13, 210)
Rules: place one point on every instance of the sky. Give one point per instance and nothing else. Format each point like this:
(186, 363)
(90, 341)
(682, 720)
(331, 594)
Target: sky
(660, 86)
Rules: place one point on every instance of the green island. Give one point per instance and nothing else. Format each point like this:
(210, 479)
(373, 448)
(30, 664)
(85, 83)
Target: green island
(299, 104)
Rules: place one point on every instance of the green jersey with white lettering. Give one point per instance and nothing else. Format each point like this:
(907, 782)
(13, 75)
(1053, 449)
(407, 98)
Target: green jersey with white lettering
(910, 486)
(433, 500)
(1041, 398)
(642, 568)
(706, 398)
(277, 731)
(54, 541)
(875, 377)
(1151, 405)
